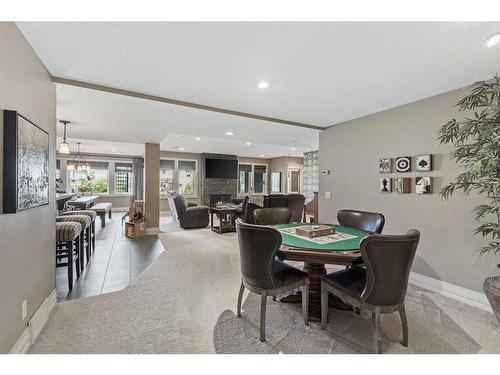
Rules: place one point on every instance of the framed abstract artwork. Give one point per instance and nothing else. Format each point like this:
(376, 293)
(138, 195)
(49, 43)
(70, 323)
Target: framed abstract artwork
(25, 164)
(386, 185)
(423, 163)
(423, 185)
(402, 185)
(385, 165)
(403, 164)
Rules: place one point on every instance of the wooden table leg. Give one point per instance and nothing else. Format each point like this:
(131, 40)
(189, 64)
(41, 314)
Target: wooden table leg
(315, 271)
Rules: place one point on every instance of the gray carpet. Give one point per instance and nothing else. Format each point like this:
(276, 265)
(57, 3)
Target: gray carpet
(185, 303)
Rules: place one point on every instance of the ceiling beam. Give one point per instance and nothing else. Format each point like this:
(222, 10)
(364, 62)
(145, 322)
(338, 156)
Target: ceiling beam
(139, 95)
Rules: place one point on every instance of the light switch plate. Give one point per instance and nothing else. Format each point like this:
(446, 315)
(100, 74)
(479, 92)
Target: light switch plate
(328, 195)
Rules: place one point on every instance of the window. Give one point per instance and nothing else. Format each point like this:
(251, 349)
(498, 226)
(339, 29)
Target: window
(179, 176)
(94, 181)
(252, 179)
(245, 173)
(276, 182)
(123, 178)
(187, 170)
(59, 180)
(259, 176)
(167, 168)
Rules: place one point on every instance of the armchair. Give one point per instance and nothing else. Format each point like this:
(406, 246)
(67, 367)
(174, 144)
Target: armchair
(187, 215)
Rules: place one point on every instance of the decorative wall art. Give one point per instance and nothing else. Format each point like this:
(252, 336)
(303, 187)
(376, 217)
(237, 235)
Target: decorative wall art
(25, 164)
(385, 185)
(402, 185)
(423, 185)
(385, 165)
(403, 164)
(423, 163)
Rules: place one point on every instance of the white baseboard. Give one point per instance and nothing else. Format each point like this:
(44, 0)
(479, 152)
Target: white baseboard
(35, 325)
(152, 231)
(455, 292)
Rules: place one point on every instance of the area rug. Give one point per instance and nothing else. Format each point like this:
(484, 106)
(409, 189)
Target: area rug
(185, 302)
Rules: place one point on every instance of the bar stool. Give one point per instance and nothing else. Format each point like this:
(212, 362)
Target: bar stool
(86, 223)
(68, 247)
(92, 215)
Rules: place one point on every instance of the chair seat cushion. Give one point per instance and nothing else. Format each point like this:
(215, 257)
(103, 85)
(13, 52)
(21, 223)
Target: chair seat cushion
(101, 207)
(67, 231)
(350, 281)
(84, 220)
(89, 213)
(285, 274)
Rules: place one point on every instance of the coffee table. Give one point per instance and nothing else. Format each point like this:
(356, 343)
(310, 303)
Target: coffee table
(223, 212)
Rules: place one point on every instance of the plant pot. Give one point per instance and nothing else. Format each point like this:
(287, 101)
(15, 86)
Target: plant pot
(491, 288)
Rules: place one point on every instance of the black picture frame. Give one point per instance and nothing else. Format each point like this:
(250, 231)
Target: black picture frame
(13, 193)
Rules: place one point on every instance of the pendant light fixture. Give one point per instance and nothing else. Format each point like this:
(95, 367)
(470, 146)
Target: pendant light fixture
(64, 146)
(79, 163)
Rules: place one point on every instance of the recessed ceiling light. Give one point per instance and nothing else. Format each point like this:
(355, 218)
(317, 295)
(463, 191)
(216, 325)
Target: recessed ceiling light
(493, 40)
(114, 150)
(197, 138)
(248, 144)
(293, 148)
(262, 155)
(229, 133)
(263, 85)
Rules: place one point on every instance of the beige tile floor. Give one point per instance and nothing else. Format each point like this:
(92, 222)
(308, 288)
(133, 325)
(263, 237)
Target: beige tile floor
(116, 261)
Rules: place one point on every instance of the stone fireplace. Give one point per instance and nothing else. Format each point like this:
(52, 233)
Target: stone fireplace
(218, 189)
(219, 199)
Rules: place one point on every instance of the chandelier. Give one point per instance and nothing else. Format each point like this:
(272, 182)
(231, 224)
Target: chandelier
(78, 163)
(64, 146)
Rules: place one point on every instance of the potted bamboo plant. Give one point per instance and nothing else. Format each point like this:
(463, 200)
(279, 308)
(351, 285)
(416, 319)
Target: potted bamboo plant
(475, 144)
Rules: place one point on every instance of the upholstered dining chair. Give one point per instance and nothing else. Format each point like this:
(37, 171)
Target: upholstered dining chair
(262, 273)
(272, 216)
(371, 222)
(380, 287)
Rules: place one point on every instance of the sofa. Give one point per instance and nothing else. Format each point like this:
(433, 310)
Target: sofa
(187, 215)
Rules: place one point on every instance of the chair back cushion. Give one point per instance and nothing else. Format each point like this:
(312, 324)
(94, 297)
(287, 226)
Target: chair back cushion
(180, 204)
(295, 202)
(258, 247)
(272, 216)
(371, 222)
(247, 210)
(388, 261)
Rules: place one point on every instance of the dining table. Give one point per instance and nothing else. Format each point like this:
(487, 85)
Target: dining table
(340, 248)
(83, 202)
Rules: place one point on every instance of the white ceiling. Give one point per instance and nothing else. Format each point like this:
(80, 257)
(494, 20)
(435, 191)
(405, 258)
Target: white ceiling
(320, 73)
(108, 117)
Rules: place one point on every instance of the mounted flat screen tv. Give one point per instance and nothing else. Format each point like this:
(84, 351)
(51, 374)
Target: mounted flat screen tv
(221, 168)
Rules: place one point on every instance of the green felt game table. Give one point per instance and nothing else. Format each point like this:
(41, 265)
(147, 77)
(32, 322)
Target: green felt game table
(315, 256)
(350, 245)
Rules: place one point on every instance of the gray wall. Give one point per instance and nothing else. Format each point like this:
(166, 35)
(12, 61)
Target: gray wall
(280, 165)
(152, 185)
(351, 151)
(27, 240)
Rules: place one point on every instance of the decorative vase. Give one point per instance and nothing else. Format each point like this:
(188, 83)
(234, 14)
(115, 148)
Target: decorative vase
(491, 288)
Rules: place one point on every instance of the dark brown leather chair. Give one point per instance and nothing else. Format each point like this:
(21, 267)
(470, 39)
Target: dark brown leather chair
(262, 273)
(295, 202)
(371, 222)
(187, 215)
(247, 210)
(381, 287)
(272, 216)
